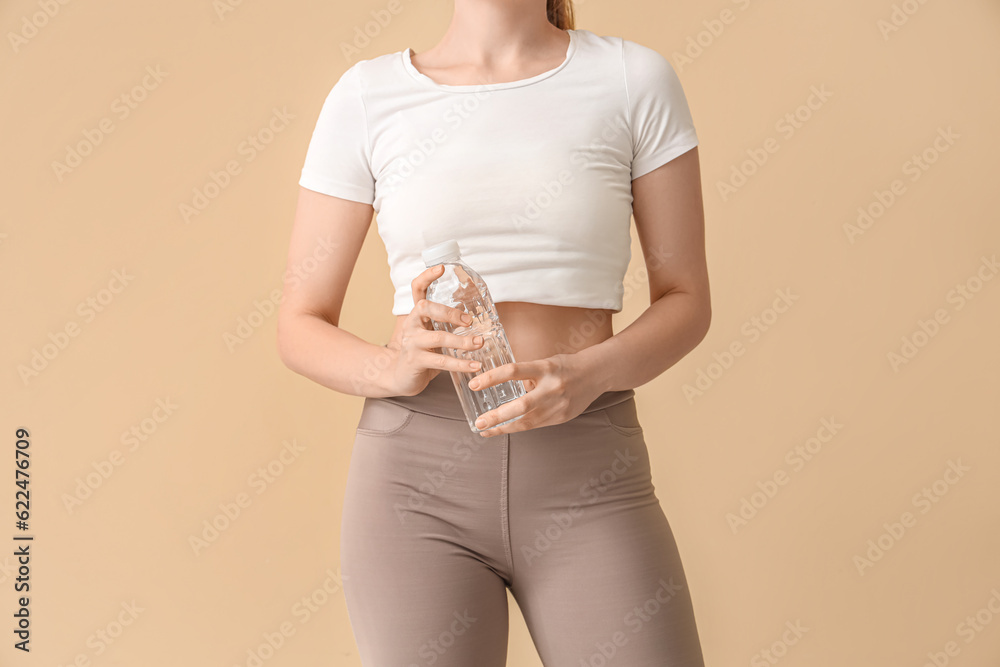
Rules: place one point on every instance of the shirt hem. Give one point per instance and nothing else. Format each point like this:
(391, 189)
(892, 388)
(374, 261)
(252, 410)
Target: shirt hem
(616, 306)
(663, 156)
(336, 189)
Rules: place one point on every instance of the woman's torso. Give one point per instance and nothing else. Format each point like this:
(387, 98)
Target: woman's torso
(532, 180)
(536, 331)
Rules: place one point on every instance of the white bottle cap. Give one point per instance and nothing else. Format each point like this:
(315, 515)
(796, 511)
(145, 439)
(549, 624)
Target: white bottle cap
(446, 251)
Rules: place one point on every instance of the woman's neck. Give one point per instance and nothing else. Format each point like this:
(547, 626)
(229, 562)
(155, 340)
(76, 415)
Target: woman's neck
(493, 35)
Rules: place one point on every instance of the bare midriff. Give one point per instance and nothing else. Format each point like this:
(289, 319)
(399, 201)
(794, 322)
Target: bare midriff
(537, 331)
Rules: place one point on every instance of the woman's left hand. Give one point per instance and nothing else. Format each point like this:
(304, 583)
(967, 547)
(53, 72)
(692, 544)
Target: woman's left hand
(558, 388)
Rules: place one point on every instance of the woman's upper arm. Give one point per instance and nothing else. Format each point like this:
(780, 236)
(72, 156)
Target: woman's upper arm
(666, 177)
(327, 235)
(670, 222)
(334, 211)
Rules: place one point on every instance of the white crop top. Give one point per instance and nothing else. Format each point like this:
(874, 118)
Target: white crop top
(531, 177)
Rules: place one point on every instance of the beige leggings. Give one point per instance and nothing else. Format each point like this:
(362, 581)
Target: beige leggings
(439, 521)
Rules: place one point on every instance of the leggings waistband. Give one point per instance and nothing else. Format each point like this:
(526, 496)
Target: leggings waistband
(440, 399)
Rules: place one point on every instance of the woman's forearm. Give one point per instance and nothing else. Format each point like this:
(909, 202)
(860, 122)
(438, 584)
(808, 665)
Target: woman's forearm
(336, 358)
(672, 326)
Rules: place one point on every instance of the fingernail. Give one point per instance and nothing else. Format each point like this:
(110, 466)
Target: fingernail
(467, 318)
(475, 364)
(478, 340)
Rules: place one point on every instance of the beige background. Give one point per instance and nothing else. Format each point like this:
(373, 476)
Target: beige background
(116, 548)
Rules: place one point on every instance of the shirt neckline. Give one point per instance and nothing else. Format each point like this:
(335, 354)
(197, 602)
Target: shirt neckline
(406, 55)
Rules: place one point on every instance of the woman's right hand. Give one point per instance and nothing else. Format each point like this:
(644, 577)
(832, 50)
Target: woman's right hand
(419, 360)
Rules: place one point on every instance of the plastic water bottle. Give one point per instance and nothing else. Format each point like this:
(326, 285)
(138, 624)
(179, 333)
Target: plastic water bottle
(462, 288)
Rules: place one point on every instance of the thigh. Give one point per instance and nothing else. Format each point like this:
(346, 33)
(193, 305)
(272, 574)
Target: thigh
(427, 608)
(597, 573)
(417, 593)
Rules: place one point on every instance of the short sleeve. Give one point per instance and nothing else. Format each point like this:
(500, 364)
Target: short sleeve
(338, 161)
(661, 123)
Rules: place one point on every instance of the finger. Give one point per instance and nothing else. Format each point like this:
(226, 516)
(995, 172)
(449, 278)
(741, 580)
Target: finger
(488, 378)
(431, 310)
(444, 339)
(446, 362)
(513, 427)
(509, 410)
(514, 370)
(423, 280)
(442, 342)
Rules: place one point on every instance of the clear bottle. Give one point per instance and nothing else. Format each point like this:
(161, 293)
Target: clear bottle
(462, 288)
